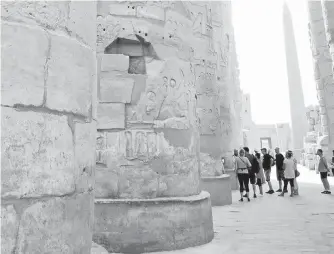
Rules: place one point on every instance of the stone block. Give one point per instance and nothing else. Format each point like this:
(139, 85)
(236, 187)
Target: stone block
(107, 182)
(111, 62)
(49, 14)
(37, 154)
(159, 224)
(219, 188)
(22, 80)
(85, 147)
(58, 225)
(71, 76)
(116, 89)
(122, 9)
(9, 228)
(111, 116)
(82, 21)
(151, 12)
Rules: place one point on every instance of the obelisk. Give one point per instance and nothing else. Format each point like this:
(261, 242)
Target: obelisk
(297, 105)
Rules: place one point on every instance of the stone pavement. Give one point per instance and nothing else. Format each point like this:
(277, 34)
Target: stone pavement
(275, 225)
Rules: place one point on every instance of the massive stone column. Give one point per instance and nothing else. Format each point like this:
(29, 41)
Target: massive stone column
(48, 126)
(323, 75)
(326, 93)
(152, 58)
(209, 83)
(297, 105)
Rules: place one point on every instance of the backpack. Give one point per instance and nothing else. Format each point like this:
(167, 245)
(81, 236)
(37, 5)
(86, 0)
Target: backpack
(255, 166)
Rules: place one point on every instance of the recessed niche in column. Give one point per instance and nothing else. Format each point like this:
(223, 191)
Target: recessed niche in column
(137, 49)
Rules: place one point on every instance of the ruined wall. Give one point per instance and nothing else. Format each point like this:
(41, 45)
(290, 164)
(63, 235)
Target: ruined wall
(162, 68)
(47, 126)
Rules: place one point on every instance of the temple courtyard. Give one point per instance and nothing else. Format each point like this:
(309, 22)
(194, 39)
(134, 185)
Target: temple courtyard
(272, 224)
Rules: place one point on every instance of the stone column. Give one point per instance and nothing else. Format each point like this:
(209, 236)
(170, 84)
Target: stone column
(47, 126)
(209, 75)
(326, 56)
(153, 56)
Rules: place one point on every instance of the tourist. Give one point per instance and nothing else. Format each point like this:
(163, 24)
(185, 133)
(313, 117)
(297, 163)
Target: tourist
(332, 163)
(323, 170)
(260, 179)
(267, 163)
(251, 171)
(242, 165)
(296, 192)
(235, 155)
(279, 158)
(223, 161)
(289, 173)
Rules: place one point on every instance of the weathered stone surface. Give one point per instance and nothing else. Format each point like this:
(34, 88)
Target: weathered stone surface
(84, 150)
(82, 21)
(116, 89)
(9, 228)
(210, 166)
(152, 12)
(70, 89)
(152, 225)
(98, 249)
(112, 62)
(22, 80)
(111, 116)
(37, 154)
(58, 225)
(51, 15)
(143, 164)
(122, 9)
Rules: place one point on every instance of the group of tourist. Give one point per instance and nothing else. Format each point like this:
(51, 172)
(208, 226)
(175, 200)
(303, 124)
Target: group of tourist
(256, 170)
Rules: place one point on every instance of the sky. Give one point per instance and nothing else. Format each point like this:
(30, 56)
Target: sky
(259, 38)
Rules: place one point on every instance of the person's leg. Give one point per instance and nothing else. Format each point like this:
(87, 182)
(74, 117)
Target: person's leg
(292, 187)
(259, 183)
(325, 182)
(295, 184)
(284, 188)
(279, 179)
(271, 190)
(252, 179)
(246, 181)
(328, 188)
(241, 185)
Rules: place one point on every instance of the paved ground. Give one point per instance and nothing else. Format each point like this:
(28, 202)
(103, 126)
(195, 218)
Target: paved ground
(275, 225)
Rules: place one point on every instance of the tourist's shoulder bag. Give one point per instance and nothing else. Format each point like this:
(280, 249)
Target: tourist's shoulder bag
(297, 173)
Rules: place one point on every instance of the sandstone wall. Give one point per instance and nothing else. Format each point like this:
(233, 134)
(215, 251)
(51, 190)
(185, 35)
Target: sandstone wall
(163, 69)
(47, 126)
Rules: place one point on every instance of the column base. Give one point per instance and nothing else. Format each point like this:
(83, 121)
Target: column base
(147, 225)
(233, 179)
(219, 188)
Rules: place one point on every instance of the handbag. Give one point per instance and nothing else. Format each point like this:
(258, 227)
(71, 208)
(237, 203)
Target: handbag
(297, 173)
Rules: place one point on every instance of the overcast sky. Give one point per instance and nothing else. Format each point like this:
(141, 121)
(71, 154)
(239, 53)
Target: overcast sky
(260, 45)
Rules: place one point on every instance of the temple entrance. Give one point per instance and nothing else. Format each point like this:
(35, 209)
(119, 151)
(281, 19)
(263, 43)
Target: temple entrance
(265, 142)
